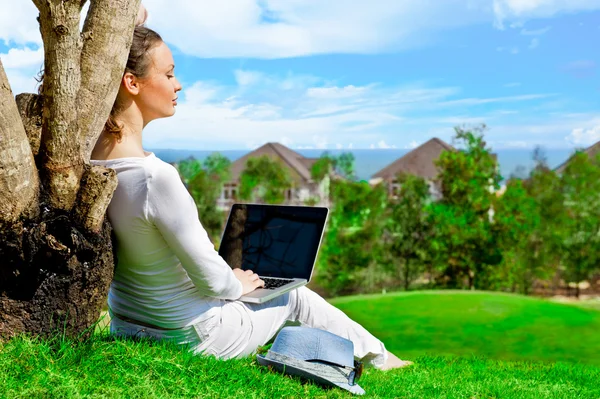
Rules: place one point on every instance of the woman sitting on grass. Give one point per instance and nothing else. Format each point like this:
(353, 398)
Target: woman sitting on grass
(169, 282)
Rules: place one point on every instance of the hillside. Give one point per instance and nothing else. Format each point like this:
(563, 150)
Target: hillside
(495, 325)
(482, 327)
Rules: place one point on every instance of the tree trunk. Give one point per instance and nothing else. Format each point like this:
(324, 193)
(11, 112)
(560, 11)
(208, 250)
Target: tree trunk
(55, 247)
(18, 175)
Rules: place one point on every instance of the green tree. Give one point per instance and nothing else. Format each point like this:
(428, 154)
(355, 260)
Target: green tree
(517, 216)
(204, 181)
(542, 253)
(465, 241)
(581, 240)
(264, 180)
(407, 229)
(340, 166)
(352, 241)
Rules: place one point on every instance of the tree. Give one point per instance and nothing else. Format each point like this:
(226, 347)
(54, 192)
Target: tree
(329, 165)
(352, 240)
(581, 240)
(465, 242)
(518, 216)
(407, 230)
(204, 181)
(542, 248)
(56, 252)
(264, 180)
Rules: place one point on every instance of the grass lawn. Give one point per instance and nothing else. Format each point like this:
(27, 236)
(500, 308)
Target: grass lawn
(419, 326)
(495, 325)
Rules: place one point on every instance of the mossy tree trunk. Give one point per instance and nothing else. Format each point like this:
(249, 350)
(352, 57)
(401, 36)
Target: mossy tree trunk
(56, 257)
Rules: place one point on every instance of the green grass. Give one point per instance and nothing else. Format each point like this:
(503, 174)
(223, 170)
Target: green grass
(419, 326)
(495, 325)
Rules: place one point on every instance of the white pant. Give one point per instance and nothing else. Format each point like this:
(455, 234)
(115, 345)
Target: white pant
(243, 327)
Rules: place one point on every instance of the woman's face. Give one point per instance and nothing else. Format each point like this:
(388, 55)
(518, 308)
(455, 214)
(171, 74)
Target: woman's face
(157, 96)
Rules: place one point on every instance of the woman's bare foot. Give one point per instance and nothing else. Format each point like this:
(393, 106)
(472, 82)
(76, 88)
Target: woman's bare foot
(394, 363)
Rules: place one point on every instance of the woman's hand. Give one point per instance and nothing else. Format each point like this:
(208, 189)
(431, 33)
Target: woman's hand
(249, 280)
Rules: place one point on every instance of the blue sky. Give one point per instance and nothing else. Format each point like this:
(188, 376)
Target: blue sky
(363, 74)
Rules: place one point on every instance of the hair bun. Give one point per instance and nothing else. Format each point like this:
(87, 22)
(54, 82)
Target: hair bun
(142, 15)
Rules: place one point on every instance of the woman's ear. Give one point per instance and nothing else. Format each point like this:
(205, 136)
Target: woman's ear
(131, 83)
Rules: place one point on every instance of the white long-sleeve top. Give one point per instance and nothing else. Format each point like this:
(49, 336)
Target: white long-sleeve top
(168, 273)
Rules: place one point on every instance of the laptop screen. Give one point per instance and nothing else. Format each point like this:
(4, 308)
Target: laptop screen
(273, 240)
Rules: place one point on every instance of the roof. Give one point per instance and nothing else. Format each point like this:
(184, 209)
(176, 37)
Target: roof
(297, 163)
(592, 152)
(418, 162)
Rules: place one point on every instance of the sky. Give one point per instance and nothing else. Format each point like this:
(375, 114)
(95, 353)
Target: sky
(350, 74)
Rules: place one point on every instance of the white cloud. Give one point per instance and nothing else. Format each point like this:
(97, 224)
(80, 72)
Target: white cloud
(512, 50)
(247, 78)
(323, 115)
(581, 68)
(18, 22)
(22, 65)
(22, 57)
(535, 32)
(412, 145)
(535, 42)
(584, 137)
(383, 144)
(480, 101)
(286, 141)
(529, 9)
(21, 82)
(336, 92)
(320, 141)
(275, 28)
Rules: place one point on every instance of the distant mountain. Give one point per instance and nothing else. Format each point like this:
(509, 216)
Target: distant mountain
(368, 162)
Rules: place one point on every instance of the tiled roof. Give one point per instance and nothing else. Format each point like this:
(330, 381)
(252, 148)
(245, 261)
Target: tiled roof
(297, 163)
(592, 151)
(418, 162)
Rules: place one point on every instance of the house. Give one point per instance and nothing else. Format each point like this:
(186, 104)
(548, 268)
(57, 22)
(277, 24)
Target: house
(592, 152)
(303, 188)
(418, 162)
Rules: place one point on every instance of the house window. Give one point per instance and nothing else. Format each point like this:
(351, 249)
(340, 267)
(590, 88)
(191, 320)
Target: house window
(233, 194)
(395, 188)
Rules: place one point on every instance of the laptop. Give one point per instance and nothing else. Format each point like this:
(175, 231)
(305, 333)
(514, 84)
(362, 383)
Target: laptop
(278, 242)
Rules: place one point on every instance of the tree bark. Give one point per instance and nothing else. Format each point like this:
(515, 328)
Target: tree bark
(97, 188)
(56, 251)
(30, 108)
(18, 176)
(60, 160)
(81, 77)
(103, 59)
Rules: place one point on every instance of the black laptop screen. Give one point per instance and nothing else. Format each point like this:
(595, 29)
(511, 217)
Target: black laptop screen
(272, 240)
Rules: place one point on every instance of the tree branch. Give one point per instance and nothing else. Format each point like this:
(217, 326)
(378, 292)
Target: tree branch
(30, 107)
(97, 189)
(61, 164)
(107, 35)
(18, 174)
(39, 4)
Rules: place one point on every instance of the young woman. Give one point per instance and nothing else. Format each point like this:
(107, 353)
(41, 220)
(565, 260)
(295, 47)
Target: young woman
(169, 281)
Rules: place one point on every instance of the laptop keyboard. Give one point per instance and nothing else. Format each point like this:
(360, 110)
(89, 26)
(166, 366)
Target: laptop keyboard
(272, 283)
